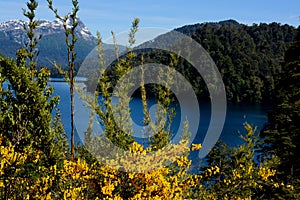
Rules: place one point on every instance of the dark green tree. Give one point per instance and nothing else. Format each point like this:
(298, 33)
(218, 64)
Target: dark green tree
(283, 131)
(26, 100)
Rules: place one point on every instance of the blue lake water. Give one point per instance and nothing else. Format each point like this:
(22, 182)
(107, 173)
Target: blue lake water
(237, 114)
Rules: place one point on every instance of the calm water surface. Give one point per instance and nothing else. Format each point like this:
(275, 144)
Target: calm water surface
(236, 116)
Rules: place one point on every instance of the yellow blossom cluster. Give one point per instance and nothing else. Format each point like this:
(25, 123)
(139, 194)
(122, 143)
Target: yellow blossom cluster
(212, 171)
(8, 155)
(78, 179)
(196, 147)
(265, 173)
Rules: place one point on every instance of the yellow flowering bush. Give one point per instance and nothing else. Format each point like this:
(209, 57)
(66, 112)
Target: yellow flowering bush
(81, 180)
(234, 173)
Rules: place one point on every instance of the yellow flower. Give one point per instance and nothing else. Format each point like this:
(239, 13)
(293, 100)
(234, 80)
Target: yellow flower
(236, 175)
(290, 186)
(196, 147)
(36, 158)
(48, 196)
(131, 175)
(108, 189)
(182, 161)
(250, 169)
(217, 169)
(265, 173)
(1, 184)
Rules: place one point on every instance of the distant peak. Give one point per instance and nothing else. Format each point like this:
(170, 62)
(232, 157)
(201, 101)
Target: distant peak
(230, 22)
(45, 27)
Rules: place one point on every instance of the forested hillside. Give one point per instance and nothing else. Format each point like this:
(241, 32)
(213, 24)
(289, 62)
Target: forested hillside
(248, 57)
(283, 129)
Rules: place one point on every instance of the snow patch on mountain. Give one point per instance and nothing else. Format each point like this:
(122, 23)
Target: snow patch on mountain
(14, 29)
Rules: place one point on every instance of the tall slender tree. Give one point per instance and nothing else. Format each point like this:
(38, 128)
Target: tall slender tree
(33, 39)
(70, 23)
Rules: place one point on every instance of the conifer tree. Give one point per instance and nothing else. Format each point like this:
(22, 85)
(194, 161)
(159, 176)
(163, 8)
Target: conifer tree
(283, 131)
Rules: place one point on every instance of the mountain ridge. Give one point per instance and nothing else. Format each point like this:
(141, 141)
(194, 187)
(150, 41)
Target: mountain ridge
(15, 28)
(51, 47)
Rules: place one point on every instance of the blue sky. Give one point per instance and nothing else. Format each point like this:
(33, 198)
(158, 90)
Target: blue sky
(116, 15)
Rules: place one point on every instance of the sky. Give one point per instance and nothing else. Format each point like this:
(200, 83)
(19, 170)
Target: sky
(116, 15)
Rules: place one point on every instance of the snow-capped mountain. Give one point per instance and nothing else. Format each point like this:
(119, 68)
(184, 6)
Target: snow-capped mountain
(51, 47)
(14, 29)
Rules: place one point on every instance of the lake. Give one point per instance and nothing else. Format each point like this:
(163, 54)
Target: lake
(237, 114)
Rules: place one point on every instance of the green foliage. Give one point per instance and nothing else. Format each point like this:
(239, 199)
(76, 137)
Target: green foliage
(26, 102)
(234, 173)
(248, 57)
(283, 130)
(33, 41)
(116, 118)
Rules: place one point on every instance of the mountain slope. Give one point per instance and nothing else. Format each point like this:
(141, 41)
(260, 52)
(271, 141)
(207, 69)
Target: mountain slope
(248, 57)
(52, 45)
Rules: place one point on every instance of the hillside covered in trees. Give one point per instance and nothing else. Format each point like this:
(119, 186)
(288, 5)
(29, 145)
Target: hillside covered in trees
(249, 58)
(283, 130)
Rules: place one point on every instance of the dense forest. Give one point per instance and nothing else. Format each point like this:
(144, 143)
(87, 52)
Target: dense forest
(283, 128)
(37, 161)
(249, 58)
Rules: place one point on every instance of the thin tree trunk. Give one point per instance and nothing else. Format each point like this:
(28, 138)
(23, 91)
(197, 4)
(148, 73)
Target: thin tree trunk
(72, 112)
